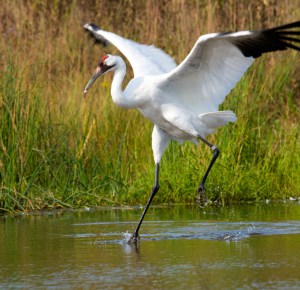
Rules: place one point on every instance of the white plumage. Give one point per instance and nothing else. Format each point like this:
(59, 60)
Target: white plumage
(182, 101)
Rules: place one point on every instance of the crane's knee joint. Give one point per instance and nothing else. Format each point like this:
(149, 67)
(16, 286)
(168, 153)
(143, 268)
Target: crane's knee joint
(155, 188)
(214, 147)
(215, 150)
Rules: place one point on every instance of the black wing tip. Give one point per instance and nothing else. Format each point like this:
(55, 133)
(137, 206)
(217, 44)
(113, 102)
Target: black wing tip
(91, 29)
(295, 24)
(286, 37)
(268, 40)
(94, 26)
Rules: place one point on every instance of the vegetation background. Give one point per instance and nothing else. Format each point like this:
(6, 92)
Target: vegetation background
(58, 149)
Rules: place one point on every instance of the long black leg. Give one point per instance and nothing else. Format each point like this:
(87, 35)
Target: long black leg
(155, 189)
(216, 152)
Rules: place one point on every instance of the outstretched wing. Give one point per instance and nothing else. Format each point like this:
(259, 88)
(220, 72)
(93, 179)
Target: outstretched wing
(218, 61)
(144, 59)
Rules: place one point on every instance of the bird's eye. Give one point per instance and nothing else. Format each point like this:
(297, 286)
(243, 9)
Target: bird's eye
(102, 63)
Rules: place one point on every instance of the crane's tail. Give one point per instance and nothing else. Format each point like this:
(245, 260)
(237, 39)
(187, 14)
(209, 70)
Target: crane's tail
(213, 120)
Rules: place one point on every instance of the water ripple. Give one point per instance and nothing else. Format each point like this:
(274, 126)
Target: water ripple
(219, 231)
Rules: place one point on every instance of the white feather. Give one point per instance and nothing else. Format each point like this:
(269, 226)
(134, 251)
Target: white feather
(208, 74)
(183, 101)
(144, 59)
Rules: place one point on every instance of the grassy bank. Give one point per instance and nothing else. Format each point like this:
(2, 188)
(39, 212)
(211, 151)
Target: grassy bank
(59, 149)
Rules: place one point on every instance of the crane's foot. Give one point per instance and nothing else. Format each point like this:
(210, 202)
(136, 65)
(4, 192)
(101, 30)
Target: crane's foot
(201, 195)
(134, 238)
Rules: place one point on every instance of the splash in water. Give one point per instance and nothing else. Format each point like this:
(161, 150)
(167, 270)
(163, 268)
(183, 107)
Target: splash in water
(127, 238)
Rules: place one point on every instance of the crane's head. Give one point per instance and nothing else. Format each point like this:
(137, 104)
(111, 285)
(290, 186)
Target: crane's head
(106, 63)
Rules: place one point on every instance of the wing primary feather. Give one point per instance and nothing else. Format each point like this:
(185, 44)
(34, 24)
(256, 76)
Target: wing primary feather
(285, 26)
(267, 40)
(288, 32)
(290, 38)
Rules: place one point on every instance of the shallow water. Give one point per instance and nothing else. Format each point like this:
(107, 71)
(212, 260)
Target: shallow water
(253, 246)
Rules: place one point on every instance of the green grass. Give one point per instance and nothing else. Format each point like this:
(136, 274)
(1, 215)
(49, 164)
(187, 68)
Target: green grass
(58, 149)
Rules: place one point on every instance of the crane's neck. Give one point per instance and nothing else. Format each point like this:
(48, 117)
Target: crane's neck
(117, 94)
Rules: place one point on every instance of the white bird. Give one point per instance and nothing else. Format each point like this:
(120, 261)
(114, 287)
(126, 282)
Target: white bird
(182, 101)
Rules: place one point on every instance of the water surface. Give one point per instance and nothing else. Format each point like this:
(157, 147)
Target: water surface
(255, 246)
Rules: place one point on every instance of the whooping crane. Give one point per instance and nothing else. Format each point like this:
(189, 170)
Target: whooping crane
(182, 100)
